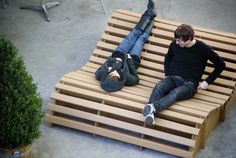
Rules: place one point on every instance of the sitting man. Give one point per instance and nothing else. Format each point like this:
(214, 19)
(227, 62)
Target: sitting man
(184, 65)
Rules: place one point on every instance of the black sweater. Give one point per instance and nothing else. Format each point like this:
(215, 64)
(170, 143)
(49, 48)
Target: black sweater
(189, 63)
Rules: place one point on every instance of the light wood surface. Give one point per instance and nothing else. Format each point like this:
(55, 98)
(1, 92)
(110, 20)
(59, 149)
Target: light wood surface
(182, 129)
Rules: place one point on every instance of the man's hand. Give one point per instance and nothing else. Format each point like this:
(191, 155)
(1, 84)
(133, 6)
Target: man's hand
(202, 85)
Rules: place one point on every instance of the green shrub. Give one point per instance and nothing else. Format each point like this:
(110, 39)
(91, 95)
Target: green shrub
(20, 103)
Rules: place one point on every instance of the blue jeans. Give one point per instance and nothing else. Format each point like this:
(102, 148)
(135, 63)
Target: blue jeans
(169, 90)
(133, 44)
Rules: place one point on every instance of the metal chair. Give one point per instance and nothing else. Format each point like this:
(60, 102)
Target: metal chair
(45, 6)
(4, 4)
(103, 6)
(42, 7)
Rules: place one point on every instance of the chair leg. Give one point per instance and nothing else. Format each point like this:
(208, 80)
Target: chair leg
(42, 7)
(3, 4)
(103, 6)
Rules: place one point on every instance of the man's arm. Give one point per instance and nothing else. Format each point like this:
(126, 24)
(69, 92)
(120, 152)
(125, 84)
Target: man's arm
(219, 66)
(104, 68)
(132, 77)
(167, 60)
(101, 71)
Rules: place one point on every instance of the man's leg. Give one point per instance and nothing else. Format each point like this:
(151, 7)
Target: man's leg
(131, 38)
(162, 101)
(147, 16)
(136, 50)
(185, 91)
(128, 41)
(161, 89)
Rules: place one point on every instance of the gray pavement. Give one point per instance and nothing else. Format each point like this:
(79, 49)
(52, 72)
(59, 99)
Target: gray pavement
(51, 49)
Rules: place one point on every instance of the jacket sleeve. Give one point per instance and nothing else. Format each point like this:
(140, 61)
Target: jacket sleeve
(103, 69)
(168, 58)
(219, 65)
(132, 77)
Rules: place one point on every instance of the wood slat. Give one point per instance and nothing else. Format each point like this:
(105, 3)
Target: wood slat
(122, 125)
(216, 97)
(124, 113)
(227, 47)
(153, 73)
(185, 111)
(73, 80)
(98, 96)
(173, 23)
(165, 43)
(123, 103)
(128, 126)
(163, 25)
(146, 55)
(80, 103)
(117, 136)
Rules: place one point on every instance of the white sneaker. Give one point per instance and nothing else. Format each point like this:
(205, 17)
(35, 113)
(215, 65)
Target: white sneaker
(150, 119)
(148, 109)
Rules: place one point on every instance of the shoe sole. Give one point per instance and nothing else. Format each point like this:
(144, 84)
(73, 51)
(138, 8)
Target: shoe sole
(149, 120)
(148, 109)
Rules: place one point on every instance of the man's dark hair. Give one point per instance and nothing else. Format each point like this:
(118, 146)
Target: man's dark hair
(184, 32)
(113, 77)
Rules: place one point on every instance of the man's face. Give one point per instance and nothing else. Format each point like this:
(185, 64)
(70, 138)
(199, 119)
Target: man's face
(182, 43)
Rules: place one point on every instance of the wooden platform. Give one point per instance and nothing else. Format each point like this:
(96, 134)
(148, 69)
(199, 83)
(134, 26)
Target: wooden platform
(181, 129)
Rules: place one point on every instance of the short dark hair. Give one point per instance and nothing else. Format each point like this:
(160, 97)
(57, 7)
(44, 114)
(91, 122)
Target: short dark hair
(184, 32)
(113, 77)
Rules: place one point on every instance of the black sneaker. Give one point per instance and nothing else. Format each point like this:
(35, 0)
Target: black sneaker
(151, 9)
(151, 4)
(148, 109)
(150, 119)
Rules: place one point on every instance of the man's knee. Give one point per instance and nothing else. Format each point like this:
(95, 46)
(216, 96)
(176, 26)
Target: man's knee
(158, 89)
(182, 93)
(174, 95)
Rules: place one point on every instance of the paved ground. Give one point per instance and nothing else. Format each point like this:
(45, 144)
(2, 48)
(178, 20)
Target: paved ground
(51, 49)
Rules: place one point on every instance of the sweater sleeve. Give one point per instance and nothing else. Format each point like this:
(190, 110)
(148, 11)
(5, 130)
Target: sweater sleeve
(103, 69)
(167, 59)
(132, 77)
(132, 68)
(219, 65)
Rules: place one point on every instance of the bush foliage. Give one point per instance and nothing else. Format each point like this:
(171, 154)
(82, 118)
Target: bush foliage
(20, 103)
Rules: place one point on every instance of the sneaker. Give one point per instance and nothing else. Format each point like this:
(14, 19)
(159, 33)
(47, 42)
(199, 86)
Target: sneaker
(150, 119)
(148, 109)
(151, 9)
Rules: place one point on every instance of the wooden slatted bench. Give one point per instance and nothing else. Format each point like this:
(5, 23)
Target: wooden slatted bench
(181, 129)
